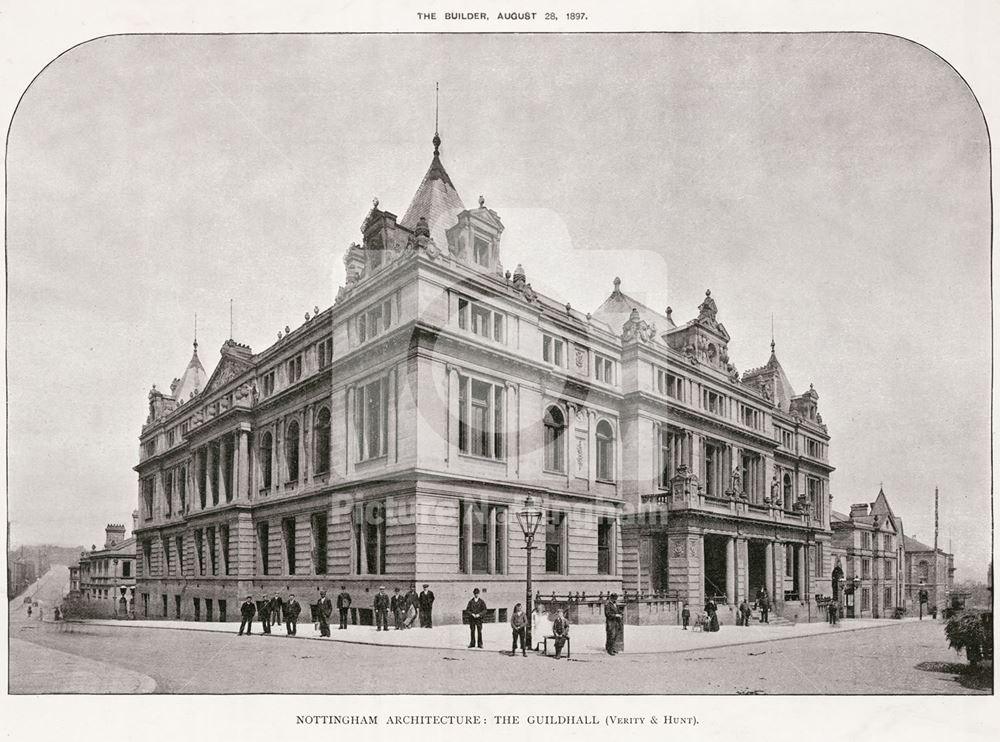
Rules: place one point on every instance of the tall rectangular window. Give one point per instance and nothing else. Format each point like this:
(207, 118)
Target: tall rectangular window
(371, 419)
(147, 498)
(481, 251)
(604, 369)
(482, 538)
(179, 542)
(714, 474)
(555, 537)
(671, 454)
(318, 523)
(267, 384)
(165, 546)
(605, 545)
(818, 571)
(815, 492)
(294, 369)
(324, 353)
(713, 402)
(199, 550)
(480, 418)
(752, 472)
(865, 599)
(552, 350)
(213, 562)
(481, 320)
(224, 542)
(866, 569)
(288, 537)
(669, 384)
(168, 492)
(369, 538)
(264, 547)
(182, 489)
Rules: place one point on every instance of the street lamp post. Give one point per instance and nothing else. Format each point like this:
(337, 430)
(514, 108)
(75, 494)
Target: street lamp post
(529, 517)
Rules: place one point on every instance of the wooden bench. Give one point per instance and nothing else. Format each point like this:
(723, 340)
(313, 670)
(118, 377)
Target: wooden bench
(545, 644)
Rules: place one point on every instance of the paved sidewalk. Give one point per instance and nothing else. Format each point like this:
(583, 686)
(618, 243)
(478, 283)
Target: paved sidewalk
(31, 672)
(584, 638)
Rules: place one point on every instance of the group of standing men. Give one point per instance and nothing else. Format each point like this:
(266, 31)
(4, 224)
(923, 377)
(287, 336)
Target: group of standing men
(405, 609)
(271, 611)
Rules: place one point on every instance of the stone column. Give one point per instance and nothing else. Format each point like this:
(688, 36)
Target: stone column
(591, 449)
(769, 569)
(300, 475)
(278, 474)
(742, 569)
(220, 464)
(351, 445)
(306, 453)
(730, 570)
(242, 465)
(453, 415)
(802, 587)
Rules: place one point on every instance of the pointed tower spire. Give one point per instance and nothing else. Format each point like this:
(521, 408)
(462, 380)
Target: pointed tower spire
(437, 137)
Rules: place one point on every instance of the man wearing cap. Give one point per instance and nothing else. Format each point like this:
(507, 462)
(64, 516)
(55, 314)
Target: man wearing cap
(426, 602)
(612, 624)
(396, 606)
(381, 610)
(343, 604)
(276, 609)
(324, 612)
(246, 611)
(409, 611)
(292, 611)
(264, 611)
(475, 610)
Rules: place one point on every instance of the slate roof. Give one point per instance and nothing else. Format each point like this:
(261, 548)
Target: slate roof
(617, 308)
(193, 380)
(437, 200)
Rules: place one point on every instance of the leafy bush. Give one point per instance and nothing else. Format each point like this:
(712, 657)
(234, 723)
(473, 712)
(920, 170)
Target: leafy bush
(968, 631)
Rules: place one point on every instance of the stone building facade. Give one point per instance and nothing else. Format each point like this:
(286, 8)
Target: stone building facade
(928, 569)
(106, 578)
(868, 547)
(391, 438)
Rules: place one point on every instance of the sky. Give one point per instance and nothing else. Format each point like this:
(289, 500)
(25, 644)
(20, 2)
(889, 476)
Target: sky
(837, 182)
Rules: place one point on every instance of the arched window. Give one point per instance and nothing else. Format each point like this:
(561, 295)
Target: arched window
(555, 440)
(923, 571)
(322, 453)
(266, 455)
(605, 451)
(292, 450)
(787, 492)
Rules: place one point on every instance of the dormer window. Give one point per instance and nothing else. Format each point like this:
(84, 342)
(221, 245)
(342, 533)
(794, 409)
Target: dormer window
(481, 252)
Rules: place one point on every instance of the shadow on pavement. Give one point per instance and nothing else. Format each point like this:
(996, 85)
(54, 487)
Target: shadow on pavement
(979, 677)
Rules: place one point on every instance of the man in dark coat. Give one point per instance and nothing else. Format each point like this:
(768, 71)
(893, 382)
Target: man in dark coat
(396, 607)
(764, 602)
(712, 611)
(264, 611)
(247, 610)
(292, 611)
(382, 604)
(426, 602)
(410, 600)
(324, 612)
(560, 630)
(277, 607)
(612, 624)
(343, 604)
(475, 610)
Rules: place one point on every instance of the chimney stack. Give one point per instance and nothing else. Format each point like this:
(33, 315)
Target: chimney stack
(114, 534)
(859, 510)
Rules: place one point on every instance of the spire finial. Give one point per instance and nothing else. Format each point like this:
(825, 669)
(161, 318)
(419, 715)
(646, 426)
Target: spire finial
(437, 137)
(772, 333)
(196, 332)
(230, 319)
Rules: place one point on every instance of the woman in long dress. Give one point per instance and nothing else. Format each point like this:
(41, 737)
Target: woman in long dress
(541, 626)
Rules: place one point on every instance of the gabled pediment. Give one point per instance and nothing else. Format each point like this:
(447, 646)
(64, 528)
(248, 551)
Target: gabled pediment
(236, 360)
